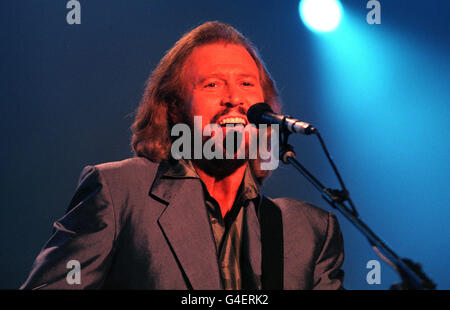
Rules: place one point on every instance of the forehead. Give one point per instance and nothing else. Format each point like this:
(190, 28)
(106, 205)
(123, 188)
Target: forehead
(220, 58)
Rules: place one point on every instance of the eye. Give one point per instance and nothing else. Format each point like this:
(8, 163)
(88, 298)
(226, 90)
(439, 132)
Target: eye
(247, 84)
(210, 85)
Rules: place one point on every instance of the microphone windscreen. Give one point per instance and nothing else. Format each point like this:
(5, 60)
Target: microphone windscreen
(255, 112)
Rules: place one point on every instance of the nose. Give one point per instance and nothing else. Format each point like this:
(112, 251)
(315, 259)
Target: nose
(233, 97)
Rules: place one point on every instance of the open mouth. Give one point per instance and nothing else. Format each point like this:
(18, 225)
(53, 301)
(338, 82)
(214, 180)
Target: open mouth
(233, 121)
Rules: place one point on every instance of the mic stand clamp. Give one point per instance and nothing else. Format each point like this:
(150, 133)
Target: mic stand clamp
(286, 150)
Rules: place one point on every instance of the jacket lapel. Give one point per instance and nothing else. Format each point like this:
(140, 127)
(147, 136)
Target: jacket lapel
(186, 226)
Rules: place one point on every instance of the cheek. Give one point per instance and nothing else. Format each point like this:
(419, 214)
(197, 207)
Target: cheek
(205, 116)
(203, 106)
(259, 95)
(204, 112)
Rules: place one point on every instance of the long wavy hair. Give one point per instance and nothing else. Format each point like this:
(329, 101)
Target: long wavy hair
(165, 92)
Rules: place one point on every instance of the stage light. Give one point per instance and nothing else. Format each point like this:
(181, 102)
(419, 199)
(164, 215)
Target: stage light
(320, 15)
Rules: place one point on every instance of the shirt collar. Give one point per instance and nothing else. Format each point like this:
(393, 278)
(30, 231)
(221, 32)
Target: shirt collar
(183, 169)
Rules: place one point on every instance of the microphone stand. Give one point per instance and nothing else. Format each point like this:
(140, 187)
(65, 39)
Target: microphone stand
(410, 273)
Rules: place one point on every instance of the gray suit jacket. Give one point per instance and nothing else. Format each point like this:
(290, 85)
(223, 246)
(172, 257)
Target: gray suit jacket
(131, 228)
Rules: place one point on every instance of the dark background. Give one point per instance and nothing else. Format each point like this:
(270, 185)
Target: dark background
(379, 94)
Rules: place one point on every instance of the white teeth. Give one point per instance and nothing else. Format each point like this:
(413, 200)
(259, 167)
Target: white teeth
(232, 120)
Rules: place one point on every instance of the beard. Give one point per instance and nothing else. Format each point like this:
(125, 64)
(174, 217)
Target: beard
(221, 168)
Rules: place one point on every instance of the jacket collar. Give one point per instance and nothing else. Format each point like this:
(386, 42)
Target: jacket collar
(183, 169)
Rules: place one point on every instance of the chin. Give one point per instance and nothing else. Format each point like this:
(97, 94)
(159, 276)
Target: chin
(220, 168)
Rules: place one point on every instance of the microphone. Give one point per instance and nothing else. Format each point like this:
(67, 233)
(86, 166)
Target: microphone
(261, 113)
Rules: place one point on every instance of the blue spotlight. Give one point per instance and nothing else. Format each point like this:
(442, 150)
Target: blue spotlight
(320, 15)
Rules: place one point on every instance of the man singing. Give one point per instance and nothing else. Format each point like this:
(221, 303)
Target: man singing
(159, 222)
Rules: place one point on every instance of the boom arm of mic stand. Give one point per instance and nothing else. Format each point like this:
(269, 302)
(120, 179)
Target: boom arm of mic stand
(411, 277)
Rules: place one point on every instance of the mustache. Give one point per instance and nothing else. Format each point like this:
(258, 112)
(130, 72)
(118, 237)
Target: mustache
(216, 117)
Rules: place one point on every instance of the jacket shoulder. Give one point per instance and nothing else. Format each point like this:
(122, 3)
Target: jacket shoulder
(120, 177)
(123, 183)
(304, 214)
(297, 206)
(125, 171)
(134, 165)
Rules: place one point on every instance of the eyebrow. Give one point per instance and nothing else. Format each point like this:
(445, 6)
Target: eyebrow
(223, 76)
